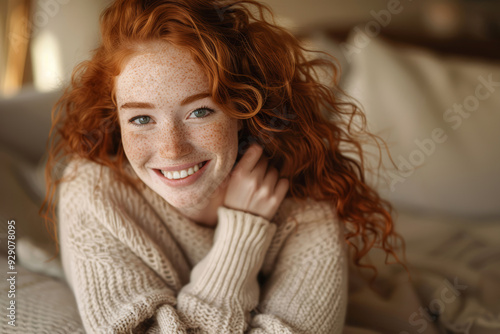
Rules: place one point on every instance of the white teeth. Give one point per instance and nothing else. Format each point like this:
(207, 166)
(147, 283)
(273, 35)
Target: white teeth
(182, 173)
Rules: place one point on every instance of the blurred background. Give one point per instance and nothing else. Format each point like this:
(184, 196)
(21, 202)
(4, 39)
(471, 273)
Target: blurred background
(425, 72)
(42, 40)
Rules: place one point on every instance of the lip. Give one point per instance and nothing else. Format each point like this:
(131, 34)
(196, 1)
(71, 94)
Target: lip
(180, 167)
(185, 181)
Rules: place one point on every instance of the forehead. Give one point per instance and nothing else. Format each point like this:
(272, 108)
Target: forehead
(160, 73)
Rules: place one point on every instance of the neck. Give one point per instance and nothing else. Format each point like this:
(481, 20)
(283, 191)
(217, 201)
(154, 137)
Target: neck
(206, 217)
(206, 213)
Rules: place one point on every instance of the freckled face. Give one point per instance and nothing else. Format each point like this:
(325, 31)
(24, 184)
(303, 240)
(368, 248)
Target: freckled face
(158, 131)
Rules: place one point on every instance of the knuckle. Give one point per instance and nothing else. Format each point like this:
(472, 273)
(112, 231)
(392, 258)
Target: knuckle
(272, 201)
(253, 184)
(264, 193)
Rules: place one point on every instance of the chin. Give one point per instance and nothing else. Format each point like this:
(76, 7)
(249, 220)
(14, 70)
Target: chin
(180, 204)
(186, 203)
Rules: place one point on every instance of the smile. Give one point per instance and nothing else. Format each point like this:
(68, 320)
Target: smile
(183, 177)
(181, 174)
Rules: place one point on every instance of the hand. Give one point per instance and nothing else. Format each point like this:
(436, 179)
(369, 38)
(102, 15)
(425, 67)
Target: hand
(254, 188)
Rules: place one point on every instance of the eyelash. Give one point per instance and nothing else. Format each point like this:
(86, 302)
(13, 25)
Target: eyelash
(211, 111)
(132, 120)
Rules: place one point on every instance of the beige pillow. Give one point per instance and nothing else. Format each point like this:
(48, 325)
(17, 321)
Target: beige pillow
(18, 202)
(440, 117)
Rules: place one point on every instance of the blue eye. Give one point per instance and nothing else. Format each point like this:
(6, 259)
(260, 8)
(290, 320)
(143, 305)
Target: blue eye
(203, 112)
(140, 120)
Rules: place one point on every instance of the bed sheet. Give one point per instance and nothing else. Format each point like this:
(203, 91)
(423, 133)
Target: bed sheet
(454, 286)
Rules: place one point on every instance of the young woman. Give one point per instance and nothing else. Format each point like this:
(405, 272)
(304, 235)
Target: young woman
(208, 186)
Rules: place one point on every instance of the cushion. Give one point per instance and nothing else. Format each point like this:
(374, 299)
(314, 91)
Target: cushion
(20, 201)
(440, 118)
(16, 201)
(43, 304)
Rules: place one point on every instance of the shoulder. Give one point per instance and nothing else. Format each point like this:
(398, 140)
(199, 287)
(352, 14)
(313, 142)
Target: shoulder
(310, 223)
(83, 177)
(306, 211)
(93, 202)
(307, 230)
(94, 215)
(89, 186)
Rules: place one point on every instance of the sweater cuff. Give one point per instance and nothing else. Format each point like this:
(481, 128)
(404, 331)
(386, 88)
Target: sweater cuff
(230, 269)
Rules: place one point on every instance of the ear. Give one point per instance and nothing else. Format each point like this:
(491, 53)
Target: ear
(240, 124)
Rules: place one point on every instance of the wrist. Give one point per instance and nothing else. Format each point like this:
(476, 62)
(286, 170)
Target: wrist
(230, 269)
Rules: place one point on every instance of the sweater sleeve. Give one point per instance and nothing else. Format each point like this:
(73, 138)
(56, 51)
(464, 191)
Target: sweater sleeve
(305, 293)
(224, 288)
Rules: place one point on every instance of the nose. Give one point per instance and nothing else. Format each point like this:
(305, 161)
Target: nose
(174, 144)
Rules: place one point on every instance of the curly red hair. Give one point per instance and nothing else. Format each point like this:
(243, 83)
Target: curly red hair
(262, 73)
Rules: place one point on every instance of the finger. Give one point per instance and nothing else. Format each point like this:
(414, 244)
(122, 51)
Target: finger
(249, 159)
(281, 189)
(270, 179)
(260, 169)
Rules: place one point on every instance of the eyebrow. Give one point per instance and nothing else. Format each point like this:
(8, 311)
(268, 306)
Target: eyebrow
(145, 105)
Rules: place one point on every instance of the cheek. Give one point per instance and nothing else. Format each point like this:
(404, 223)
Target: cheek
(221, 137)
(135, 147)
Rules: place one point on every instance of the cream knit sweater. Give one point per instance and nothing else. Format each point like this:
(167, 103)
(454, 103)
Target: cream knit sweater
(136, 265)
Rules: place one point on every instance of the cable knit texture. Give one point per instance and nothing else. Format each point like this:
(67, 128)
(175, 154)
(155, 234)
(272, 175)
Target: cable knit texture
(136, 265)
